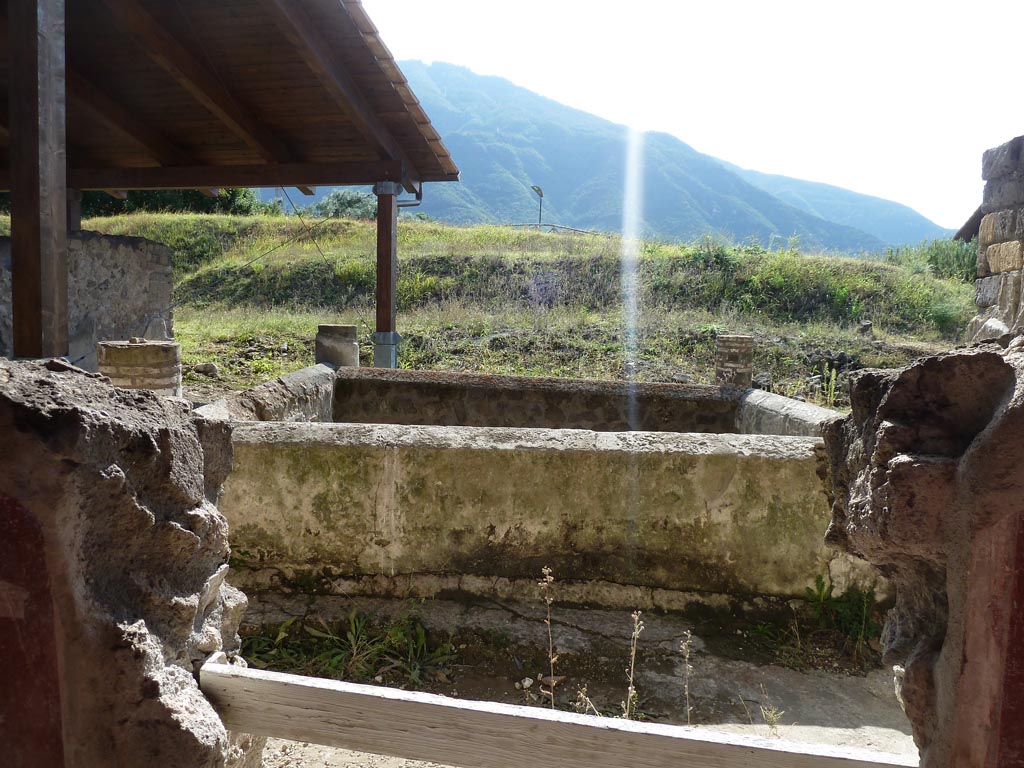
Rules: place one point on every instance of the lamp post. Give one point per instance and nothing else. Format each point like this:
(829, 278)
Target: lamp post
(540, 202)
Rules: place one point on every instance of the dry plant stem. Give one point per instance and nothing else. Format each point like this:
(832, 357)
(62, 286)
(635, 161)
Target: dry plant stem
(629, 705)
(583, 703)
(545, 589)
(685, 645)
(771, 715)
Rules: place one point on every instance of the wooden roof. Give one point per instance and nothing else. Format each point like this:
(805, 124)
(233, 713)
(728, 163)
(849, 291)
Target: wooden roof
(217, 93)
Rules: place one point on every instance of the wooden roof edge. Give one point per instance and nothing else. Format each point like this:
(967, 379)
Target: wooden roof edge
(368, 29)
(971, 227)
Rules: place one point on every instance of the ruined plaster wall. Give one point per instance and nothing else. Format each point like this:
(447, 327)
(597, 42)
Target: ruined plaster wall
(375, 396)
(1000, 244)
(305, 395)
(108, 529)
(115, 286)
(927, 484)
(632, 519)
(765, 413)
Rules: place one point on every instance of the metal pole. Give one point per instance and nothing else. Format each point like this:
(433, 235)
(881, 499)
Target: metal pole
(540, 212)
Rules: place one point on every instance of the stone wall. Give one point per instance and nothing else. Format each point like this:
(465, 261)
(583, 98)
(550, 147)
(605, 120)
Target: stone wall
(112, 566)
(1000, 244)
(116, 286)
(625, 519)
(380, 396)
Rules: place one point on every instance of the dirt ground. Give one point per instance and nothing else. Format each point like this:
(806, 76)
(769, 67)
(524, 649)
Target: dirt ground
(733, 685)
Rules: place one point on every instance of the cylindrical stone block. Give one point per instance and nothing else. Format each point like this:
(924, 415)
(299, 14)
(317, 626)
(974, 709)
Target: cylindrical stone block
(337, 345)
(142, 364)
(734, 363)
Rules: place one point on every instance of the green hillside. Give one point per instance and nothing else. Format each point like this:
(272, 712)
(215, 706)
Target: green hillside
(251, 290)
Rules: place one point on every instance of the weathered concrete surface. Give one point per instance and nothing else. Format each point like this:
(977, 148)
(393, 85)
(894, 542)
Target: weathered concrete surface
(375, 396)
(765, 413)
(393, 510)
(305, 395)
(116, 494)
(116, 286)
(928, 488)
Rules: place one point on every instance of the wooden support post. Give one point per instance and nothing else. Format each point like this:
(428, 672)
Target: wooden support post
(74, 210)
(385, 343)
(38, 178)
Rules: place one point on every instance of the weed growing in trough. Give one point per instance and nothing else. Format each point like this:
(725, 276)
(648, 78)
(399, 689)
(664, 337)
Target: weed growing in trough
(546, 584)
(685, 646)
(629, 706)
(356, 649)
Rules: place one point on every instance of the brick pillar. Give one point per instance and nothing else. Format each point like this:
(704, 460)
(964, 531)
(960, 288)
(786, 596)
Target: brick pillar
(734, 363)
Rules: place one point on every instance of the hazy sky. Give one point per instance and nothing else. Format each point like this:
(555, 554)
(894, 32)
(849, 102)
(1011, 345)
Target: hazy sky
(896, 99)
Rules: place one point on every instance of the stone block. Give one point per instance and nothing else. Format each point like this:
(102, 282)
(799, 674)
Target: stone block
(1008, 296)
(982, 269)
(998, 227)
(1005, 257)
(1002, 160)
(1004, 192)
(986, 291)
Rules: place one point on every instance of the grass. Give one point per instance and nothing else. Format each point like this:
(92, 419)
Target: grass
(357, 649)
(251, 290)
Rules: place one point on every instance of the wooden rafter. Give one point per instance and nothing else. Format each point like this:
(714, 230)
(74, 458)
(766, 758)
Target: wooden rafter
(86, 96)
(162, 47)
(310, 44)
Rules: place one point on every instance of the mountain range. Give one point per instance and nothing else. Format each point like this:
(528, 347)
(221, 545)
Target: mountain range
(505, 139)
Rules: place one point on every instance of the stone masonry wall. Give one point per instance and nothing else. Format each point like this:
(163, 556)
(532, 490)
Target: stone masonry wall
(115, 286)
(380, 396)
(1000, 244)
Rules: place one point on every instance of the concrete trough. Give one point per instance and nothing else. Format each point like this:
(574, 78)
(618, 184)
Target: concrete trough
(513, 474)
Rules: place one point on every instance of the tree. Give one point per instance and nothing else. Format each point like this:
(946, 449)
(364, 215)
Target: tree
(346, 204)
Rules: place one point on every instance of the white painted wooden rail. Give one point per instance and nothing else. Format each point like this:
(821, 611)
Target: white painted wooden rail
(476, 734)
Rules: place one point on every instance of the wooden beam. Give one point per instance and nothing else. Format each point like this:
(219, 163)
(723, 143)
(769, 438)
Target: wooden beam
(38, 178)
(307, 191)
(323, 60)
(220, 176)
(387, 258)
(161, 46)
(478, 734)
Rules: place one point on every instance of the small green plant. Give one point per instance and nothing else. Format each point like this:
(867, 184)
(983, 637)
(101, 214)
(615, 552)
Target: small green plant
(821, 601)
(828, 384)
(852, 614)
